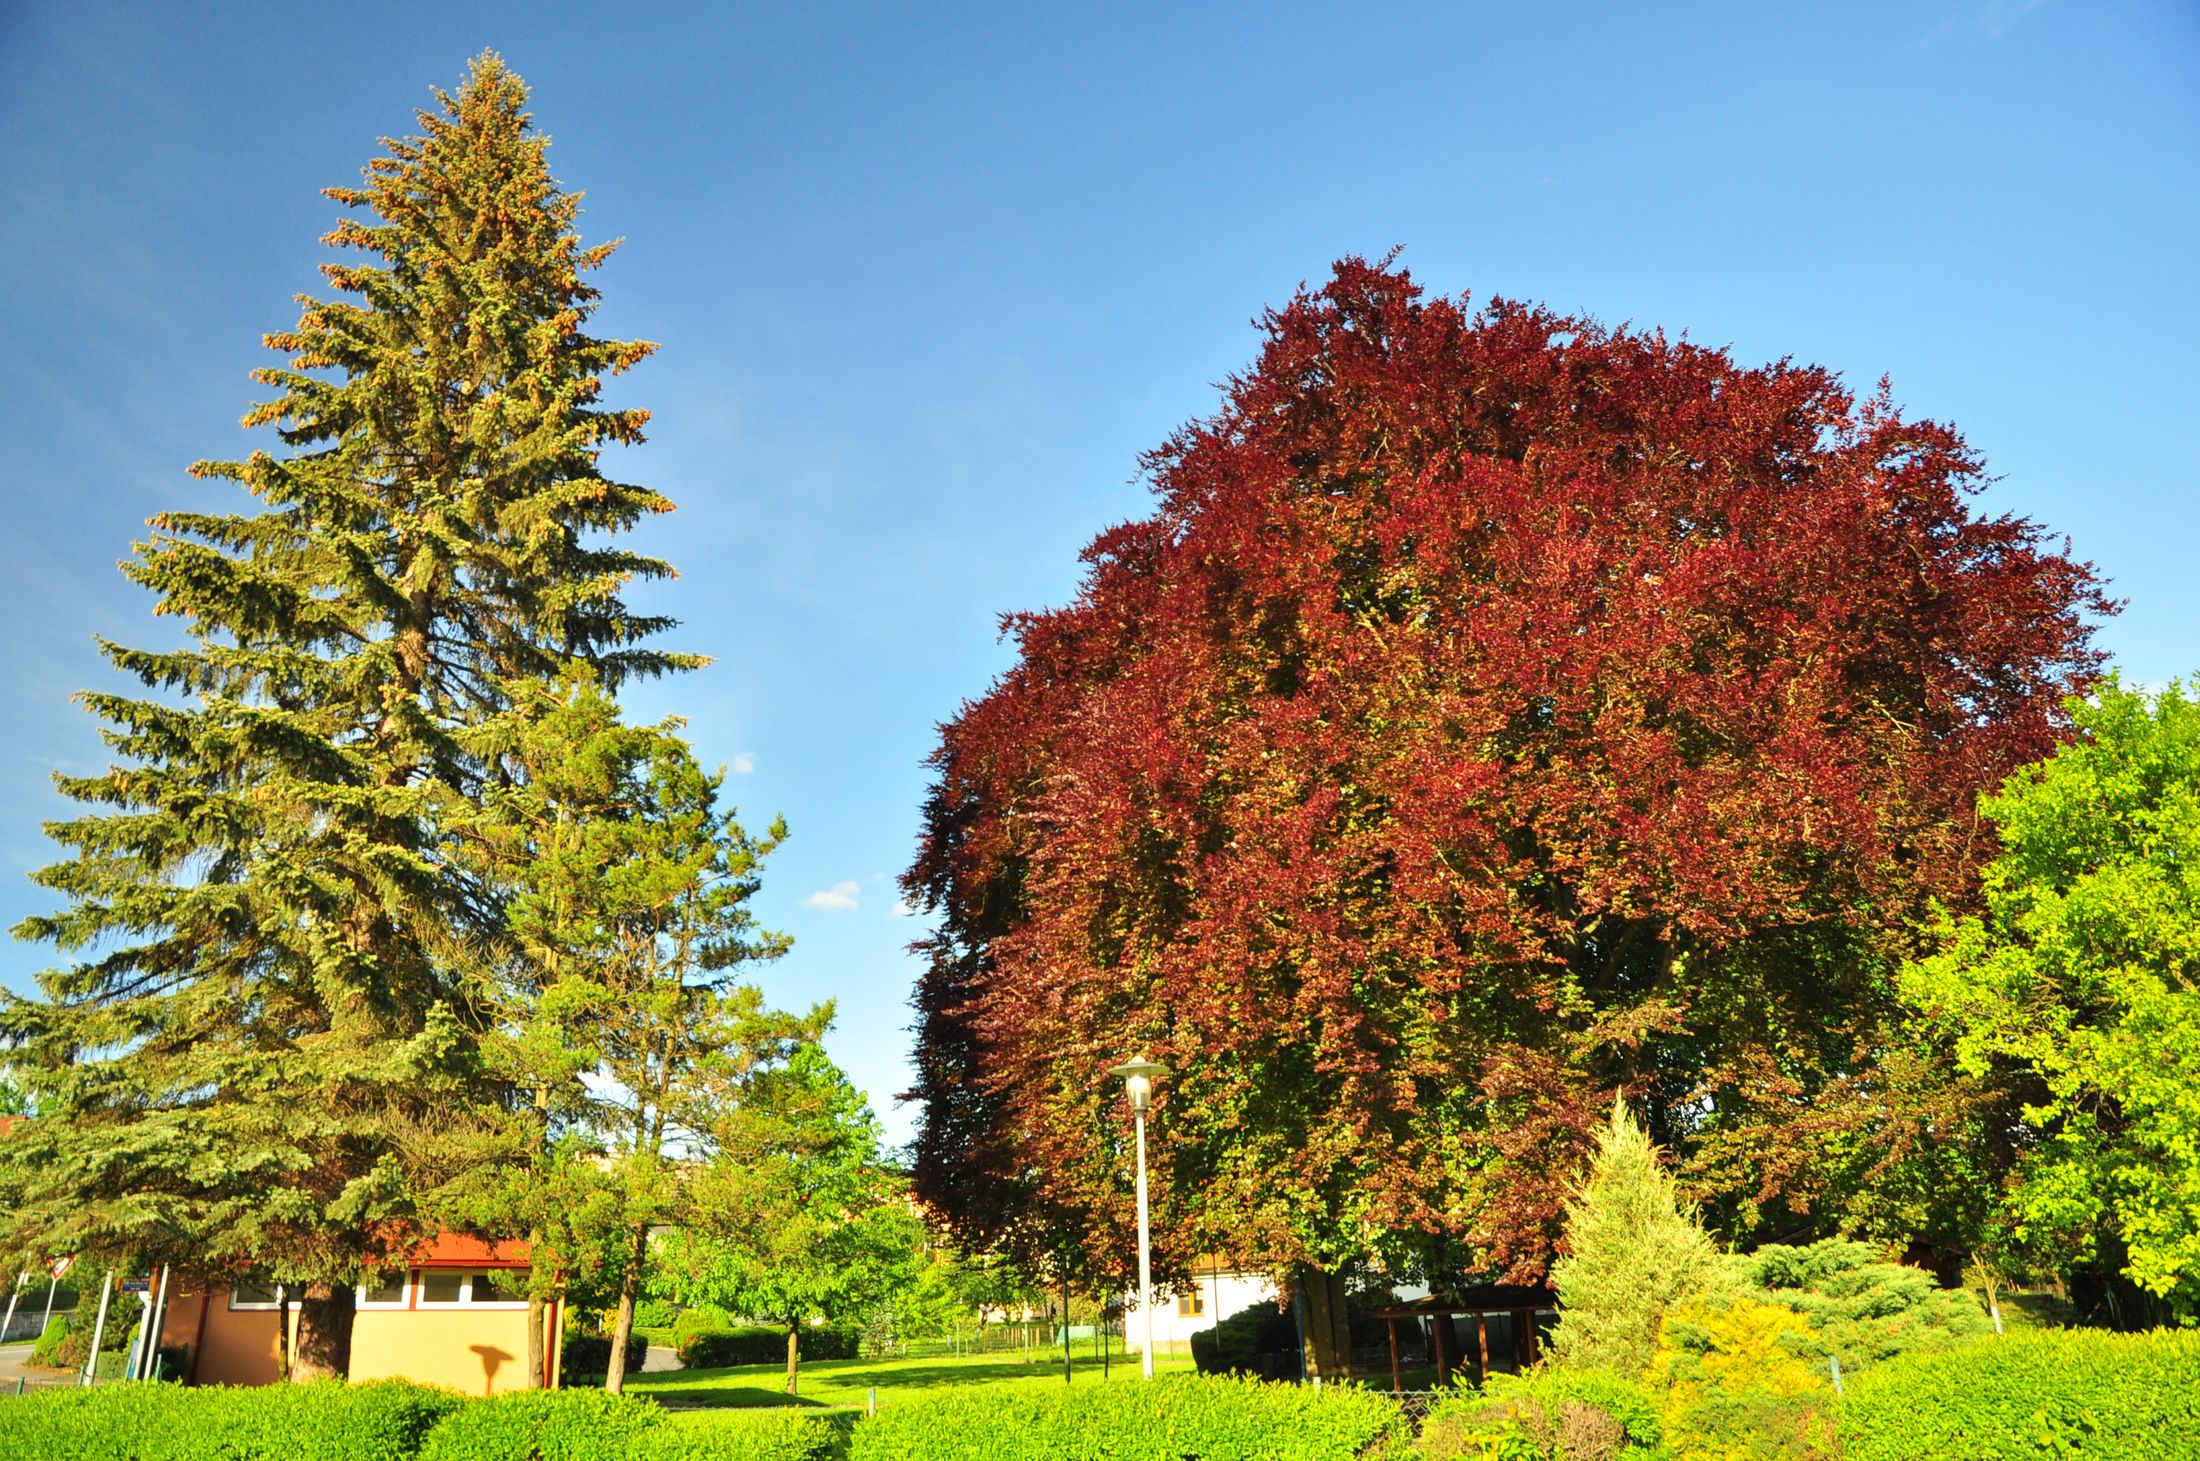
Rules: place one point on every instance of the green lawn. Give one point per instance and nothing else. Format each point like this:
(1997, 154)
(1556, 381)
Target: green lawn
(837, 1383)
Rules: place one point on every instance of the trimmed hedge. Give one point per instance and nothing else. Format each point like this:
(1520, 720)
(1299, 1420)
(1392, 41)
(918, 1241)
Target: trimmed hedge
(389, 1420)
(384, 1421)
(1215, 1418)
(1570, 1415)
(757, 1345)
(2070, 1392)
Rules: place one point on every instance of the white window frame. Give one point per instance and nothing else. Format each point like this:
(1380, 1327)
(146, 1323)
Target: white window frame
(240, 1306)
(402, 1301)
(465, 1298)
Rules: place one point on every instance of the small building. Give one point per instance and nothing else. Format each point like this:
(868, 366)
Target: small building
(454, 1315)
(1218, 1289)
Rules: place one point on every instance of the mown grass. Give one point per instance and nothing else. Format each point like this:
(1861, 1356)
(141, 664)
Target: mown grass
(835, 1384)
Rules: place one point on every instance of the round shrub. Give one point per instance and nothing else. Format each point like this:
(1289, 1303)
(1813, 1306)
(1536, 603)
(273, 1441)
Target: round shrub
(702, 1319)
(45, 1350)
(1551, 1414)
(1260, 1339)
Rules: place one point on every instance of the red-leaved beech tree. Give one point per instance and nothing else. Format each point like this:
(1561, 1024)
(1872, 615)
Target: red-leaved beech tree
(1497, 710)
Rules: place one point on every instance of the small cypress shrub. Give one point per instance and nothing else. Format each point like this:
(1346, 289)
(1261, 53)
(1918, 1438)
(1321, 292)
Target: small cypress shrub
(1633, 1251)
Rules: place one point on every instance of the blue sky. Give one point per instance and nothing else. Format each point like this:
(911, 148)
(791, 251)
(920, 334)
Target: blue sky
(928, 279)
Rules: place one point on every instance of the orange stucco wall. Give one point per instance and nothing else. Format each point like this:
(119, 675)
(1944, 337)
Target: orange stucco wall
(478, 1352)
(235, 1347)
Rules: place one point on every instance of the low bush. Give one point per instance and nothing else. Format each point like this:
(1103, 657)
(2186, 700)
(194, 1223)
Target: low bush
(1220, 1418)
(1261, 1339)
(654, 1314)
(754, 1344)
(1734, 1384)
(590, 1354)
(702, 1319)
(1861, 1308)
(2045, 1392)
(384, 1421)
(543, 1425)
(1548, 1414)
(46, 1347)
(781, 1434)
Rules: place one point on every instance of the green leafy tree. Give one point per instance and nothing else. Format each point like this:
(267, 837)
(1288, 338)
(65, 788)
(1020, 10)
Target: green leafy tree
(2083, 977)
(264, 933)
(798, 1218)
(627, 889)
(1632, 1252)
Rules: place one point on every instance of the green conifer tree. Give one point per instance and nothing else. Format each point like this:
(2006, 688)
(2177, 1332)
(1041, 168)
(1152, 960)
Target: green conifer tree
(267, 947)
(1633, 1251)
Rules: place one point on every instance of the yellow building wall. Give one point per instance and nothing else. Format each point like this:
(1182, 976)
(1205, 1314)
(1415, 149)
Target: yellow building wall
(237, 1346)
(475, 1352)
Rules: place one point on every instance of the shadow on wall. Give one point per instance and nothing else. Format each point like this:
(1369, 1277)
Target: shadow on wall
(492, 1360)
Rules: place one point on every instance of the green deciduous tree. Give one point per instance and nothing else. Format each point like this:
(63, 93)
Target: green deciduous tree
(797, 1217)
(2083, 977)
(263, 925)
(626, 888)
(1632, 1252)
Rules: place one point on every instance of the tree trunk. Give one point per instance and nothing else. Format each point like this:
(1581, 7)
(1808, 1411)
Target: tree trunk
(794, 1352)
(622, 1330)
(1328, 1339)
(324, 1332)
(538, 1368)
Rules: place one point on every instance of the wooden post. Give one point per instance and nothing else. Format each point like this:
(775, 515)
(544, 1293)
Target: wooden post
(1438, 1323)
(1482, 1340)
(1397, 1376)
(1524, 1337)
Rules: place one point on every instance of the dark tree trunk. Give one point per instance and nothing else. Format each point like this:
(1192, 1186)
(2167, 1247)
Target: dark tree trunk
(323, 1349)
(1328, 1340)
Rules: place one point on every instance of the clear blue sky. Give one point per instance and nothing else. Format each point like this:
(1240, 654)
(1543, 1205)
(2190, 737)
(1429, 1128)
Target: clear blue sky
(929, 278)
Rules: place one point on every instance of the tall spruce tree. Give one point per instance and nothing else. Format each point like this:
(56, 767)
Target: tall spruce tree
(265, 943)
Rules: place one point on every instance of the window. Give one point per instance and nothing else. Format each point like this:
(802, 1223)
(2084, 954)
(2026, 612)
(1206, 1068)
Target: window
(447, 1288)
(255, 1293)
(384, 1291)
(442, 1286)
(1191, 1304)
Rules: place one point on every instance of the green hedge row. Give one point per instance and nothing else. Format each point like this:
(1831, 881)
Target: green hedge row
(2072, 1392)
(757, 1345)
(590, 1354)
(1219, 1418)
(388, 1420)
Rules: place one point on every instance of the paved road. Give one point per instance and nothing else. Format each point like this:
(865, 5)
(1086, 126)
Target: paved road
(13, 1367)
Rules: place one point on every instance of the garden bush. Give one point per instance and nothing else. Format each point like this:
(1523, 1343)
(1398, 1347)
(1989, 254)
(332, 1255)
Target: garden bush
(1260, 1339)
(48, 1344)
(1549, 1414)
(590, 1354)
(1860, 1307)
(756, 1345)
(654, 1314)
(2078, 1392)
(702, 1319)
(588, 1425)
(1734, 1384)
(1218, 1418)
(384, 1421)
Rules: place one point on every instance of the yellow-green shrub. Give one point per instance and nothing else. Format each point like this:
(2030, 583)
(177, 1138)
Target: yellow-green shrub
(1734, 1387)
(385, 1421)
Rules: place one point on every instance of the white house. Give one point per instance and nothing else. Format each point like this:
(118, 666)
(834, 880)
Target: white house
(1216, 1292)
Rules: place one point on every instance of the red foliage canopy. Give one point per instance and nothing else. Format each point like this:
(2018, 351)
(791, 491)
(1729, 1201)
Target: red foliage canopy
(1496, 709)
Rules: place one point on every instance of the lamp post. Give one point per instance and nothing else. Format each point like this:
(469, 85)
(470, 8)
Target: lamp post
(1138, 1086)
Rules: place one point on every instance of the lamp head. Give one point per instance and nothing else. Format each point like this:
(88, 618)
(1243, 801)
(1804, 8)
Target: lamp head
(1138, 1081)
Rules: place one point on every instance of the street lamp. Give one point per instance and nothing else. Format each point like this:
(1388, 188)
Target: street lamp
(1138, 1086)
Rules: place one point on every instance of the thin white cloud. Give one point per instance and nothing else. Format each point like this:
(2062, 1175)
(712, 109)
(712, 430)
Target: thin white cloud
(839, 898)
(743, 763)
(903, 908)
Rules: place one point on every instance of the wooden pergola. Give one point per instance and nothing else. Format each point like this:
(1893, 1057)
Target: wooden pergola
(1517, 1302)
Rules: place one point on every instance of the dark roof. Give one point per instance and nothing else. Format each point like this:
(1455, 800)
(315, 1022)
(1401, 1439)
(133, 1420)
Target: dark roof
(1489, 1298)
